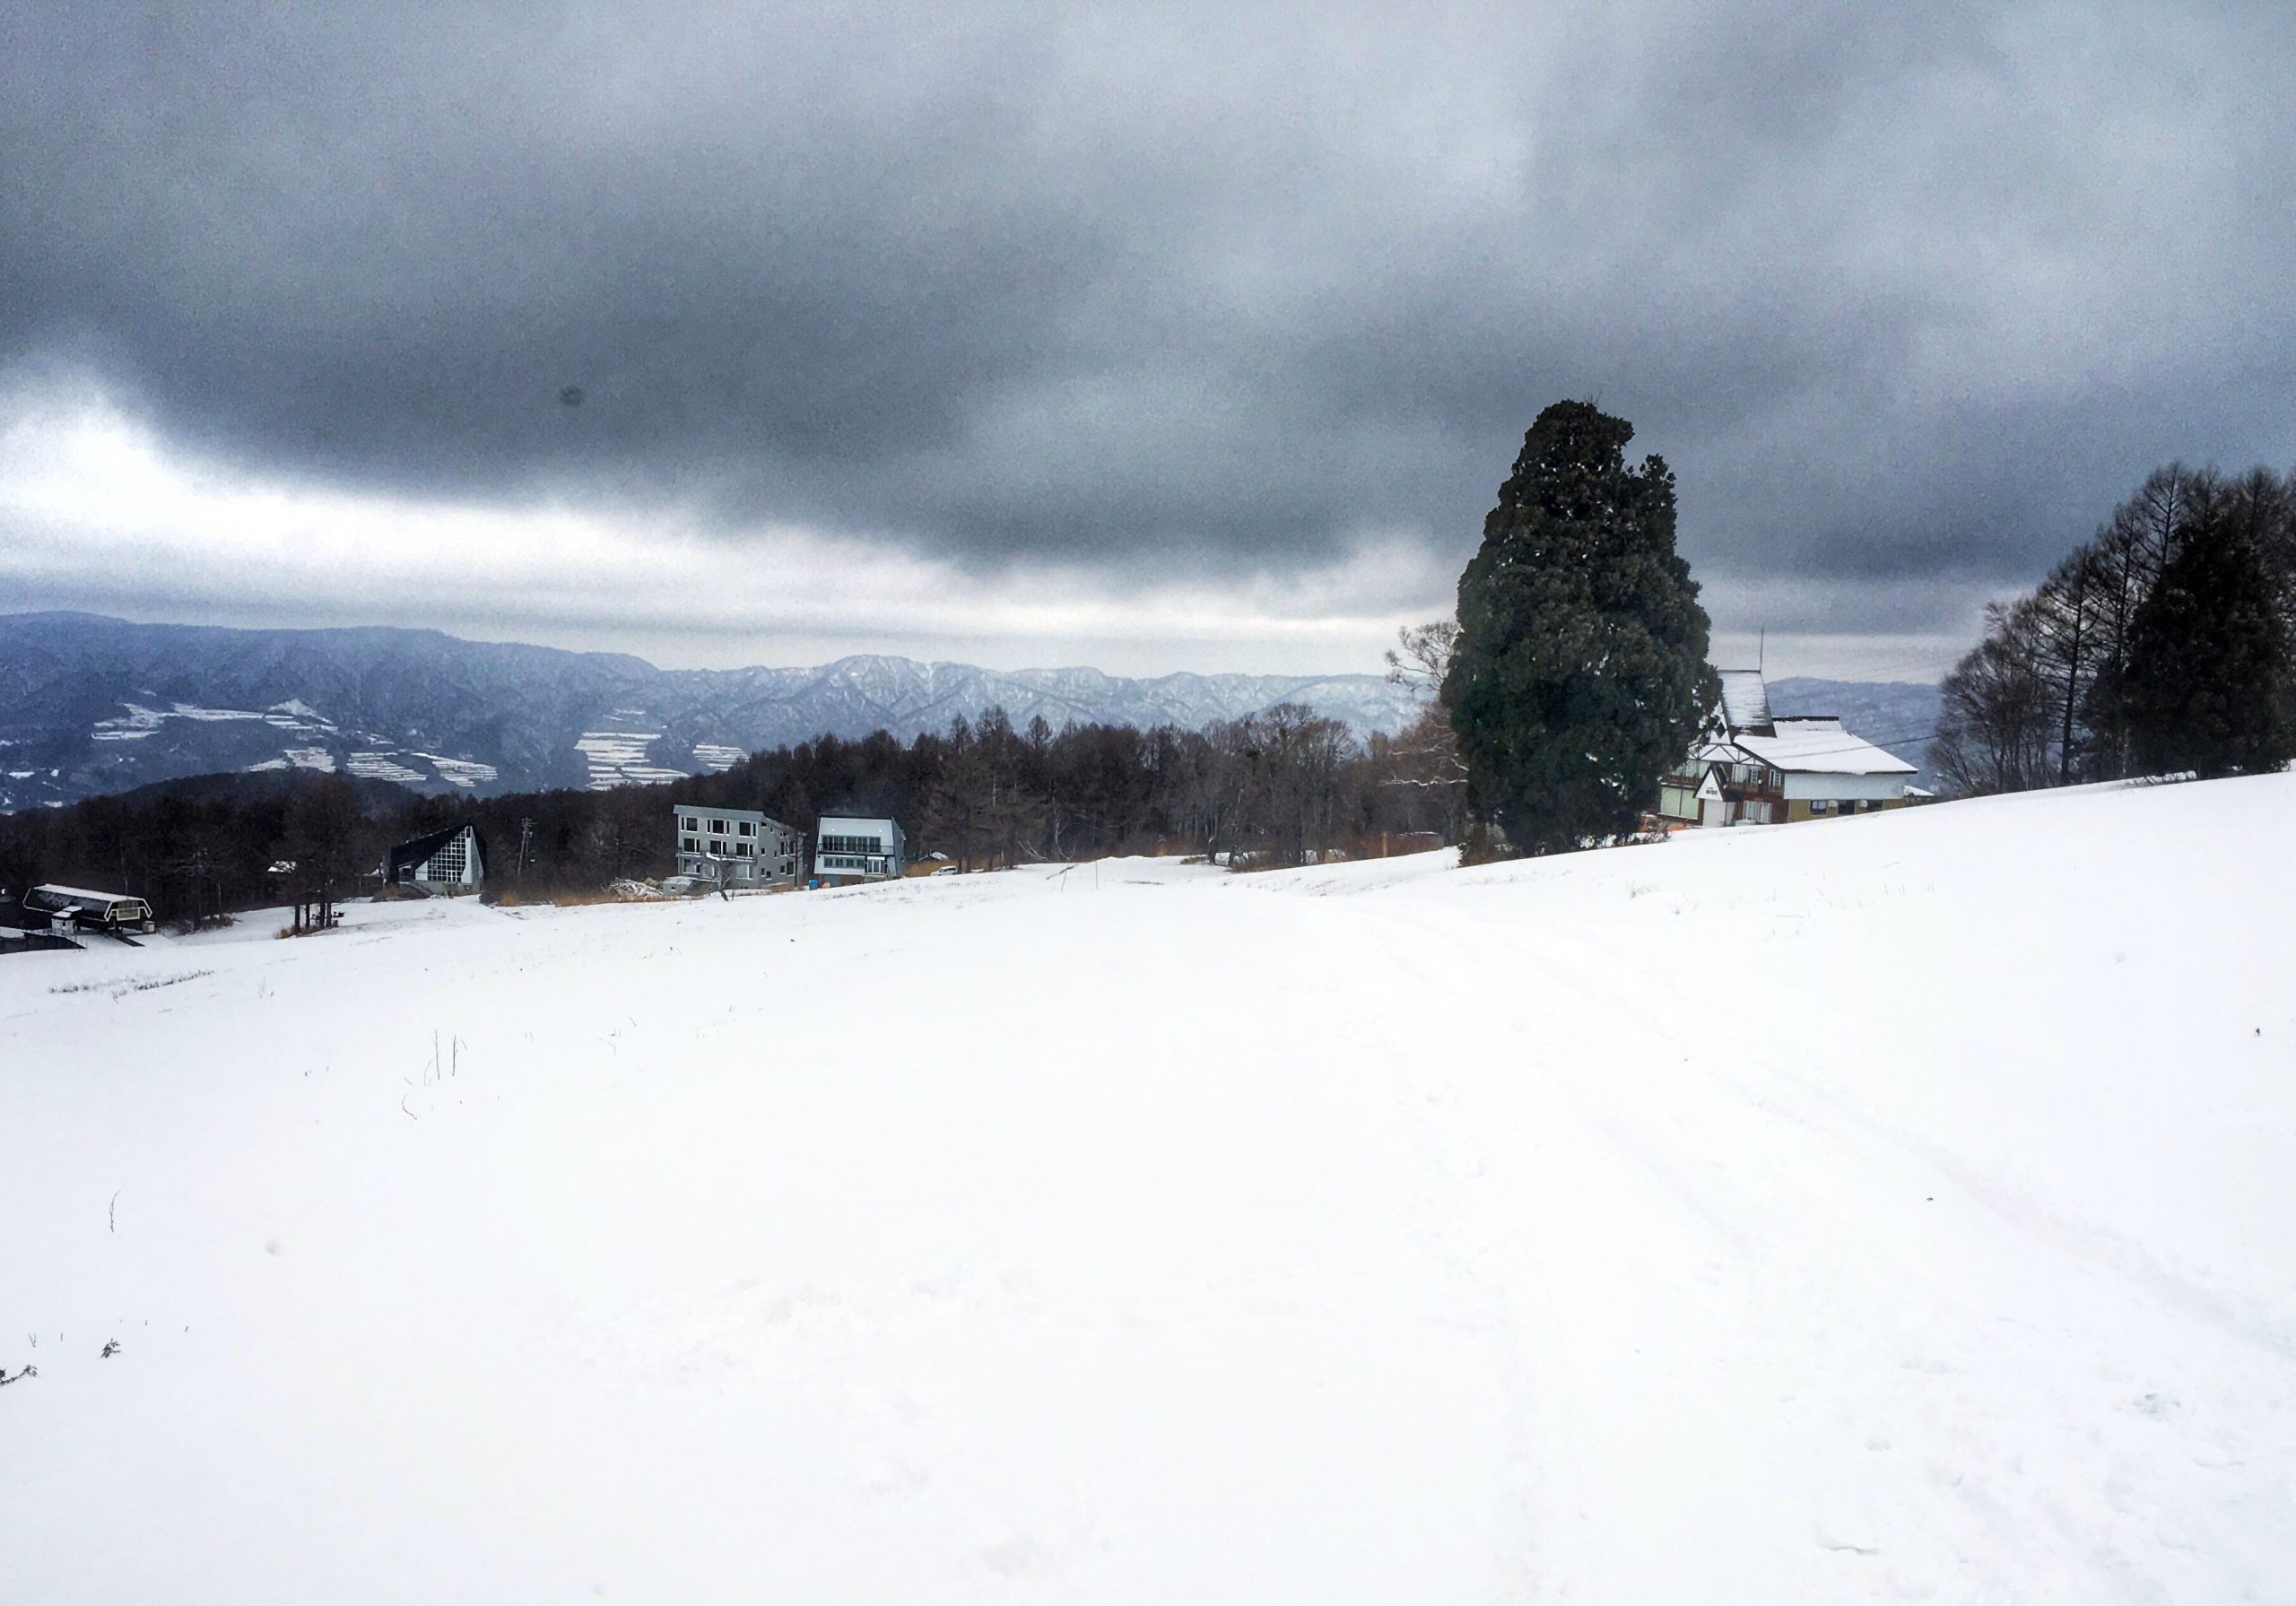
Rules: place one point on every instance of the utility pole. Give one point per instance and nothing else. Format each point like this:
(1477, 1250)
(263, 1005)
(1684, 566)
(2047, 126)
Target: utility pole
(526, 844)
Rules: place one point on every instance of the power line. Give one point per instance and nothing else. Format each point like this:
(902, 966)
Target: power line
(1851, 746)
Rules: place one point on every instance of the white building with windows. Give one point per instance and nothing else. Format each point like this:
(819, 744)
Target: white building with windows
(851, 847)
(736, 847)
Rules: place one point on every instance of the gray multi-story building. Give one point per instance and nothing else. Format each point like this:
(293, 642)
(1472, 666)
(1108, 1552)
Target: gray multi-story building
(736, 847)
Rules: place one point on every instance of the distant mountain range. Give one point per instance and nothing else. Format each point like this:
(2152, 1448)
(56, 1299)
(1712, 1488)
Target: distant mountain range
(90, 705)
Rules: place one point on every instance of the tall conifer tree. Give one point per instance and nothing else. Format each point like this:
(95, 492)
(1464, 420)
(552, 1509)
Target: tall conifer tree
(1581, 672)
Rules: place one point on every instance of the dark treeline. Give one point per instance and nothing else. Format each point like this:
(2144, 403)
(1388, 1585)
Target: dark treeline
(2161, 645)
(199, 848)
(1276, 788)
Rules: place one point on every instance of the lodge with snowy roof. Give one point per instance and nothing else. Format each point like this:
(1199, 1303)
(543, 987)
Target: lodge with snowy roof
(1756, 769)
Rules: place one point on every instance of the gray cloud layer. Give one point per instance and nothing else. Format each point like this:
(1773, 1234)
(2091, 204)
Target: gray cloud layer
(1905, 294)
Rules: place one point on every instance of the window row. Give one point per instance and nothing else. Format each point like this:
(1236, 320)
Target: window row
(720, 827)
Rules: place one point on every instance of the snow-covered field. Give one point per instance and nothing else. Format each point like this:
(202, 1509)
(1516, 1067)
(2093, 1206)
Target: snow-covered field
(1892, 1207)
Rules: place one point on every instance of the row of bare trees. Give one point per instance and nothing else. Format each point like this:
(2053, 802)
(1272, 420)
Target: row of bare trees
(2103, 671)
(1419, 767)
(1281, 787)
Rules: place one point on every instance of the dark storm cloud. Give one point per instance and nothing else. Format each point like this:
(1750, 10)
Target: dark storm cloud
(1900, 295)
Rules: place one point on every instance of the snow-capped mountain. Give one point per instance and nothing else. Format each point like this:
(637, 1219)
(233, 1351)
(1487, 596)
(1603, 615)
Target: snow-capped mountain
(90, 705)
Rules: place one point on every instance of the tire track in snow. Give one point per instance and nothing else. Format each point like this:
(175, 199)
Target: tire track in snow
(1527, 1191)
(1841, 1216)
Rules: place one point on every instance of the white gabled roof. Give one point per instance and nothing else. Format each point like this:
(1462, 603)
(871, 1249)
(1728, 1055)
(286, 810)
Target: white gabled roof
(1819, 746)
(1800, 743)
(1745, 701)
(877, 823)
(53, 890)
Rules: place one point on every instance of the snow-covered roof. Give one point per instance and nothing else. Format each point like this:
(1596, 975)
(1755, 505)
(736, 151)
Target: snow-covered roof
(836, 824)
(82, 894)
(1819, 746)
(1745, 701)
(412, 854)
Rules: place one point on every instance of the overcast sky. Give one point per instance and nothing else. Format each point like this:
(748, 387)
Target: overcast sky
(1159, 338)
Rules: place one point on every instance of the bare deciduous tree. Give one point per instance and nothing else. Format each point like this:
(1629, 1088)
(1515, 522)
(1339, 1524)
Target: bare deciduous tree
(1994, 731)
(1421, 655)
(326, 839)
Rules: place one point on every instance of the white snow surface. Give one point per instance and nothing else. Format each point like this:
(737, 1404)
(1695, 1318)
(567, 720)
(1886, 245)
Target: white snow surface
(619, 758)
(295, 708)
(464, 773)
(140, 722)
(1746, 698)
(1821, 747)
(1895, 1207)
(381, 765)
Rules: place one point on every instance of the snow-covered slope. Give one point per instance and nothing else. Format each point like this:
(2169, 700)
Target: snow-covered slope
(1894, 1208)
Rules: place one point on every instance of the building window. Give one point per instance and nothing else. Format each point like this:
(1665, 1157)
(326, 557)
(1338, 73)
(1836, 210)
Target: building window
(692, 823)
(743, 848)
(749, 828)
(449, 864)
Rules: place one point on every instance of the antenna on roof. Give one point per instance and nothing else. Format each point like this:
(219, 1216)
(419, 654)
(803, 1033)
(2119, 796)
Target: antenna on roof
(1761, 649)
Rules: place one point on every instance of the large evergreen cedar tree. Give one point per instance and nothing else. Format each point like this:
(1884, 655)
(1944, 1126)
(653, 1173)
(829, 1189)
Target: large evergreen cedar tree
(1580, 674)
(2207, 655)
